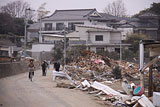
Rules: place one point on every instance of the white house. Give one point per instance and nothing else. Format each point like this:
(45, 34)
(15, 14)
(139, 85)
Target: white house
(96, 37)
(55, 23)
(82, 27)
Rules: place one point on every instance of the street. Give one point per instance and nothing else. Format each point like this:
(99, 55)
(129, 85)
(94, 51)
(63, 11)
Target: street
(19, 91)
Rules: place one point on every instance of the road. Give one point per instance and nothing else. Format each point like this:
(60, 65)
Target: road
(19, 91)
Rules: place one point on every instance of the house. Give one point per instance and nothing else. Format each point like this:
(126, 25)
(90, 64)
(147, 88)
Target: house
(145, 23)
(96, 38)
(7, 50)
(84, 27)
(32, 32)
(55, 23)
(80, 22)
(69, 18)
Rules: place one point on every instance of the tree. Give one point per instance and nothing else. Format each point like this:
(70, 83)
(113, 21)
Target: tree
(6, 23)
(16, 9)
(42, 11)
(116, 8)
(134, 39)
(155, 7)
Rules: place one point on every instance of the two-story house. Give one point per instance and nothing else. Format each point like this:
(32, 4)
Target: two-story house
(90, 26)
(82, 27)
(96, 38)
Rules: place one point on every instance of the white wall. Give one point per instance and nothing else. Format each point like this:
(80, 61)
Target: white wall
(115, 37)
(42, 47)
(106, 37)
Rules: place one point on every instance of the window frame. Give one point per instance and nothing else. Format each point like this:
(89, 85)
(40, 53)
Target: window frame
(98, 38)
(61, 26)
(48, 28)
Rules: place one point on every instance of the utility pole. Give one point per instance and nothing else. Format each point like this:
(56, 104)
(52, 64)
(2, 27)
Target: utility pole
(120, 47)
(25, 29)
(40, 20)
(40, 35)
(64, 47)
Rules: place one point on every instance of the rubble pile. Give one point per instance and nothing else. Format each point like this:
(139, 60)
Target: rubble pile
(106, 79)
(156, 79)
(92, 65)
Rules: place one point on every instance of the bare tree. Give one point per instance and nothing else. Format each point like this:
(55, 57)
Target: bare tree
(116, 8)
(16, 9)
(42, 11)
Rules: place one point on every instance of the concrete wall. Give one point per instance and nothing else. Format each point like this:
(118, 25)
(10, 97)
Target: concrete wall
(106, 37)
(8, 69)
(40, 56)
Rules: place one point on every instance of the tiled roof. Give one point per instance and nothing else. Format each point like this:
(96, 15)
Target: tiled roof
(96, 26)
(104, 17)
(75, 14)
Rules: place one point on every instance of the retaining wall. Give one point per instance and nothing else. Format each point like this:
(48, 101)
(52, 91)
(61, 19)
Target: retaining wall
(8, 69)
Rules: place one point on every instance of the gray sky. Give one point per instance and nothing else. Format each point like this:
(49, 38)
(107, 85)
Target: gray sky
(132, 6)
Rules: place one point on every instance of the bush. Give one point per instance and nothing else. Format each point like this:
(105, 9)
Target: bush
(117, 72)
(75, 52)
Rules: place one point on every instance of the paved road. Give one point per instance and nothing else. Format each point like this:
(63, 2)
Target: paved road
(18, 91)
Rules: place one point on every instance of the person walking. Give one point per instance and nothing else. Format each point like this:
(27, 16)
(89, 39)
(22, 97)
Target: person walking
(31, 69)
(57, 66)
(44, 67)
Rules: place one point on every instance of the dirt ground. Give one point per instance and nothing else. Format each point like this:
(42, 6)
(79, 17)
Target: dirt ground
(19, 91)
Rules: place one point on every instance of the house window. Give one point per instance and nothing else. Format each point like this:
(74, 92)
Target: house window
(99, 37)
(48, 26)
(59, 26)
(117, 50)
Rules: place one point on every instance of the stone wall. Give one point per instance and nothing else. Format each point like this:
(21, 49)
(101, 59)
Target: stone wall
(8, 69)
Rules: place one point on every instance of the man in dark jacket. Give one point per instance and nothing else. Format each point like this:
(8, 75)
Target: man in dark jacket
(44, 67)
(57, 66)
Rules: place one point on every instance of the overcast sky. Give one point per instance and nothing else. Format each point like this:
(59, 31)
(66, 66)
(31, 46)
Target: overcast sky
(132, 6)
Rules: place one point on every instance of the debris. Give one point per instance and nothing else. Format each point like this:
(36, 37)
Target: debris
(110, 82)
(138, 91)
(119, 103)
(61, 74)
(109, 91)
(100, 75)
(100, 93)
(64, 85)
(156, 99)
(117, 72)
(128, 88)
(86, 83)
(94, 92)
(145, 102)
